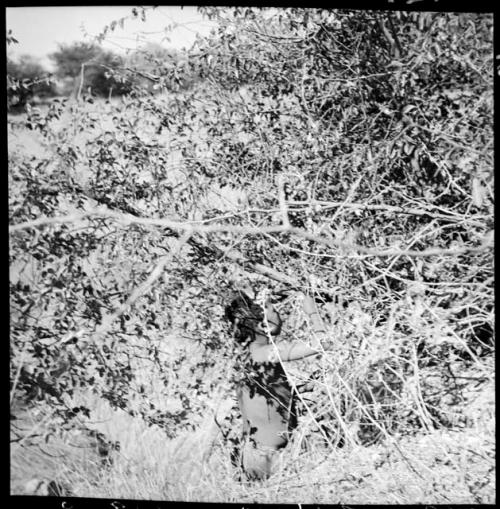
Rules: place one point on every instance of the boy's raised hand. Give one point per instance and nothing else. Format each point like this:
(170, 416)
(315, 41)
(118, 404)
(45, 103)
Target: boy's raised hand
(308, 304)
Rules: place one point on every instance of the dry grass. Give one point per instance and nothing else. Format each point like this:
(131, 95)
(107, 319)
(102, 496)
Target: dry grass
(442, 466)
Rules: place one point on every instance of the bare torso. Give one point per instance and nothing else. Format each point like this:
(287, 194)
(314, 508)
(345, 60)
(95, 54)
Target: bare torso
(267, 404)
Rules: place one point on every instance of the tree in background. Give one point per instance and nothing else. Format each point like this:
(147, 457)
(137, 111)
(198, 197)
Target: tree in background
(145, 62)
(27, 78)
(92, 63)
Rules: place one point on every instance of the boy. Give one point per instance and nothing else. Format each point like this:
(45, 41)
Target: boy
(265, 397)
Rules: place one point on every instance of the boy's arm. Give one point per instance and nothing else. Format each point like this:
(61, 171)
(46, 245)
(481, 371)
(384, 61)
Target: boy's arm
(295, 350)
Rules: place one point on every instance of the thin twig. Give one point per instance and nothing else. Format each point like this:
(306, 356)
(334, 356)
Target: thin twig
(282, 202)
(18, 371)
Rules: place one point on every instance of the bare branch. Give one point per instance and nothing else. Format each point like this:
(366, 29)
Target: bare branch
(249, 230)
(108, 320)
(259, 268)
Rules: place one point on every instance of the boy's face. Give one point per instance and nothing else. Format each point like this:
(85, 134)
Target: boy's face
(273, 320)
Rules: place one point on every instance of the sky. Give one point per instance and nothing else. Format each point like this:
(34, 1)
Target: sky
(39, 29)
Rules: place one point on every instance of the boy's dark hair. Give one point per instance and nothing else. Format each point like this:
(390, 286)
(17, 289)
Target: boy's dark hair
(245, 313)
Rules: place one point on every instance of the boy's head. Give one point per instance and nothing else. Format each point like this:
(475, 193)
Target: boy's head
(248, 319)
